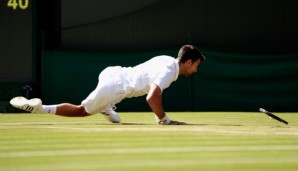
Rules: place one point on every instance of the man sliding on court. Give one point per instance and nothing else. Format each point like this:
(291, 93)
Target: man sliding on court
(117, 83)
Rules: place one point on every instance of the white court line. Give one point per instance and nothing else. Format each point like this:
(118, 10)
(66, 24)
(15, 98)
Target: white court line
(161, 128)
(144, 150)
(175, 129)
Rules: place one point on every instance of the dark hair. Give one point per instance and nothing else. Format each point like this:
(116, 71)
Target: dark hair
(187, 52)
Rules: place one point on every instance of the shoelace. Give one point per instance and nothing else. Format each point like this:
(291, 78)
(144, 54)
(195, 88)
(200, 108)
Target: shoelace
(112, 106)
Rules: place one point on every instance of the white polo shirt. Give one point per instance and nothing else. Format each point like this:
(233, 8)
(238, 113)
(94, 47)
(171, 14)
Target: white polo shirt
(116, 83)
(160, 70)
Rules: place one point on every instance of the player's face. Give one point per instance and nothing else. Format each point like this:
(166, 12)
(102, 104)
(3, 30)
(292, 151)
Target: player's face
(192, 67)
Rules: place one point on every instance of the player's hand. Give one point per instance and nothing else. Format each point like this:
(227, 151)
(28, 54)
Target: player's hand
(177, 123)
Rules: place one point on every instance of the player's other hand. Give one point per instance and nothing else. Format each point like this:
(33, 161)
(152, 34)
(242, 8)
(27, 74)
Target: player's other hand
(177, 123)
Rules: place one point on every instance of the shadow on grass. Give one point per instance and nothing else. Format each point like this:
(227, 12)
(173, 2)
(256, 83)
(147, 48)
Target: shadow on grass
(133, 124)
(215, 125)
(105, 124)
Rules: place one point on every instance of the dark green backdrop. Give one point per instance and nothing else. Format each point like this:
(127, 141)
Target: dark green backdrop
(251, 49)
(224, 82)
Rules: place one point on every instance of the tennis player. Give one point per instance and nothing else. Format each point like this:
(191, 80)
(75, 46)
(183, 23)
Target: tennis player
(117, 83)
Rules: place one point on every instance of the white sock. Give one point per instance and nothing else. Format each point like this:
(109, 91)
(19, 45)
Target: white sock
(49, 108)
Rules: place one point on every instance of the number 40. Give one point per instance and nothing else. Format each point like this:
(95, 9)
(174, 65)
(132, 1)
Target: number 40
(23, 4)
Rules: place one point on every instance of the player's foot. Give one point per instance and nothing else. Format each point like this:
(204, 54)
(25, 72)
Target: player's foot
(32, 105)
(111, 115)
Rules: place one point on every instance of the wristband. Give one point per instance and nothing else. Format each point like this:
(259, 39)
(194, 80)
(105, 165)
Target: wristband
(164, 121)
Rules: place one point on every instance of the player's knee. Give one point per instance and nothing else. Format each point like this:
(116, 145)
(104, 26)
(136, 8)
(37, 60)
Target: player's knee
(82, 112)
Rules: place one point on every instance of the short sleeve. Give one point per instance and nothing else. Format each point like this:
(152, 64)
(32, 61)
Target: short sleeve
(164, 79)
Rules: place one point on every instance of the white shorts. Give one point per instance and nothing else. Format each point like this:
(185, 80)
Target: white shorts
(109, 91)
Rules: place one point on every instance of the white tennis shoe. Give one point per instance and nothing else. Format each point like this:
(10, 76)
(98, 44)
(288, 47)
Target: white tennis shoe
(32, 105)
(111, 115)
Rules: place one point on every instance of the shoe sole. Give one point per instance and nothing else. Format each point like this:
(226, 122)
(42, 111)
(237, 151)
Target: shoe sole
(25, 104)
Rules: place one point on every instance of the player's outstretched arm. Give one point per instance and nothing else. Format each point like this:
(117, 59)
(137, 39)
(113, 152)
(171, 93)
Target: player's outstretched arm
(154, 99)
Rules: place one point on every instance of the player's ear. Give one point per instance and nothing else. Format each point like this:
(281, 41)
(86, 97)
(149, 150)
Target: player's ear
(189, 62)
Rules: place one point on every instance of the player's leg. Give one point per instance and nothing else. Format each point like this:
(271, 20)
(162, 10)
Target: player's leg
(99, 101)
(65, 109)
(108, 92)
(35, 106)
(71, 110)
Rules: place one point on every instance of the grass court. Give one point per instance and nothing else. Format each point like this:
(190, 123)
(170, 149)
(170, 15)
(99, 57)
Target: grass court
(230, 141)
